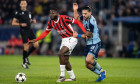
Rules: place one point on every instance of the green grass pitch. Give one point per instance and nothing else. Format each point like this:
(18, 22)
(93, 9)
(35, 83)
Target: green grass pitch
(45, 70)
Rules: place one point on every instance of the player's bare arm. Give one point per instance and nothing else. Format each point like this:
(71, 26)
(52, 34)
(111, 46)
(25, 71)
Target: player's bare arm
(15, 22)
(75, 8)
(86, 35)
(75, 34)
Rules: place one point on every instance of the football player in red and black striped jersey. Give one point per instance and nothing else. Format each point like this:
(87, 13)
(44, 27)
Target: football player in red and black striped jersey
(62, 24)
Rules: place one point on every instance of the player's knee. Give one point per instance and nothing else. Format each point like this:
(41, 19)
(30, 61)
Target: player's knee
(60, 54)
(87, 66)
(88, 60)
(26, 47)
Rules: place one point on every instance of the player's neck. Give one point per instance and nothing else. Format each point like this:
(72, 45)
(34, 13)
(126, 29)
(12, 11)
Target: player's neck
(23, 9)
(56, 18)
(88, 18)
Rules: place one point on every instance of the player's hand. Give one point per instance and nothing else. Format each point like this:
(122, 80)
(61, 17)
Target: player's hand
(32, 41)
(88, 34)
(75, 6)
(75, 34)
(23, 24)
(34, 20)
(87, 37)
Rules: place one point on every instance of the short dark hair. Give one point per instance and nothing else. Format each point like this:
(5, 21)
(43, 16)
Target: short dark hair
(22, 0)
(87, 8)
(55, 9)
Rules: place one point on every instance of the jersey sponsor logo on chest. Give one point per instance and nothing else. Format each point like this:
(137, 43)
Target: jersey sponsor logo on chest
(62, 31)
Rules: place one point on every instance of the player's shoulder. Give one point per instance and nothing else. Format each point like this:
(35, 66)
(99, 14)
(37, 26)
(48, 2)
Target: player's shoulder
(50, 22)
(64, 16)
(92, 19)
(17, 12)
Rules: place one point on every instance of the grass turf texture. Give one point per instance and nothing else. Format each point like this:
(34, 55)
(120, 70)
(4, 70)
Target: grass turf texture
(45, 70)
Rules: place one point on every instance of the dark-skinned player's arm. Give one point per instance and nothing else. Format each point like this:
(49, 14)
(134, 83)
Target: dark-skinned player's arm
(75, 8)
(68, 19)
(80, 25)
(75, 34)
(43, 35)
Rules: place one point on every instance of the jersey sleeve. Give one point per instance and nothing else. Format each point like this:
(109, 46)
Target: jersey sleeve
(68, 19)
(80, 25)
(16, 15)
(49, 27)
(45, 33)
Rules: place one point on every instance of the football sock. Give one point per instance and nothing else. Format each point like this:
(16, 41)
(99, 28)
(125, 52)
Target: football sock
(62, 69)
(24, 56)
(71, 73)
(96, 65)
(31, 50)
(95, 70)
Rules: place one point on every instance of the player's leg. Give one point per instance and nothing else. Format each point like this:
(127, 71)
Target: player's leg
(30, 50)
(61, 54)
(90, 64)
(69, 69)
(67, 63)
(93, 54)
(66, 48)
(71, 43)
(26, 47)
(33, 46)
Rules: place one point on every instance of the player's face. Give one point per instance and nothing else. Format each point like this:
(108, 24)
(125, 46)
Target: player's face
(53, 15)
(86, 14)
(23, 5)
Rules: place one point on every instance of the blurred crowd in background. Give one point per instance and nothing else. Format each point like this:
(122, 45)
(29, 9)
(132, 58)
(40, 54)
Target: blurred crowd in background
(103, 10)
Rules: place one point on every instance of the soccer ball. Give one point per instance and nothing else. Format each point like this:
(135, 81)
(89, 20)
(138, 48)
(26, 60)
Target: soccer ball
(20, 77)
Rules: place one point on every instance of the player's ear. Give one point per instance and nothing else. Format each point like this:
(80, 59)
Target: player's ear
(90, 12)
(26, 3)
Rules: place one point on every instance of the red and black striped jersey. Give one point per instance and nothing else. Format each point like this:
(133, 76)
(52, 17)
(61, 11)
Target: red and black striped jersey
(62, 26)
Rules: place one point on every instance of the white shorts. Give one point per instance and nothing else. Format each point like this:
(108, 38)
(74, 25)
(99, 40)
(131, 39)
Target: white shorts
(69, 42)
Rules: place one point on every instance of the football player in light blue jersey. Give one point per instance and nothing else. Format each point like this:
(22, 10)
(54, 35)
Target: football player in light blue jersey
(93, 42)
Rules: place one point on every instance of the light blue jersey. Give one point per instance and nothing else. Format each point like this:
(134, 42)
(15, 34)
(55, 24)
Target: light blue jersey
(91, 26)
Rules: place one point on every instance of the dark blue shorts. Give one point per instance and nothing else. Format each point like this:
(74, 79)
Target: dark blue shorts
(92, 49)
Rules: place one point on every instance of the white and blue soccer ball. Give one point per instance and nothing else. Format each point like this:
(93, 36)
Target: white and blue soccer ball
(20, 77)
